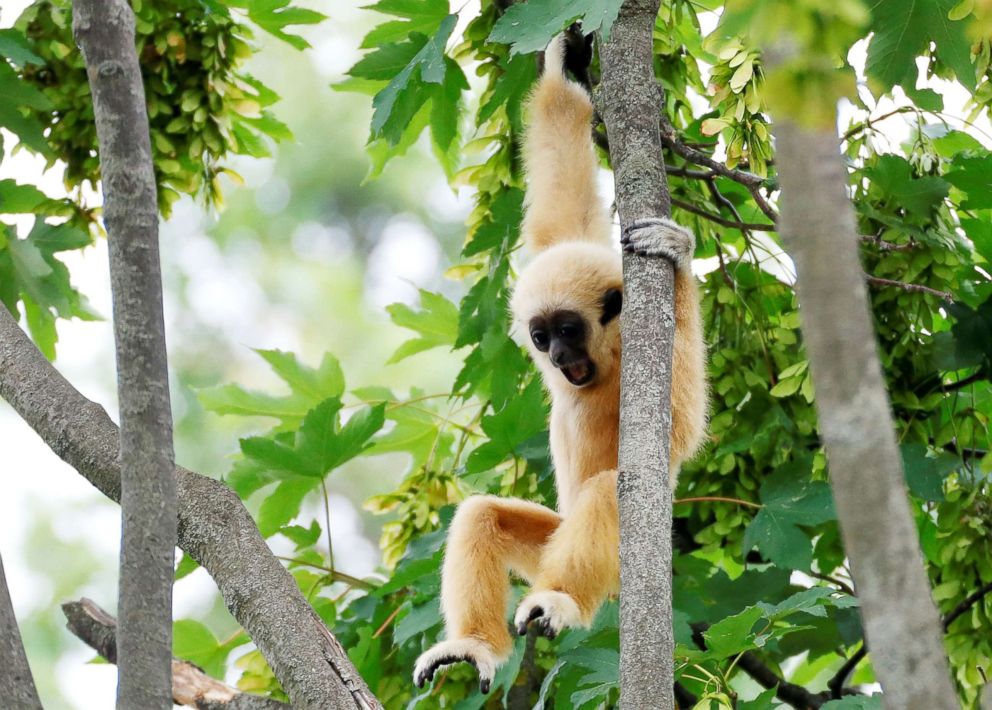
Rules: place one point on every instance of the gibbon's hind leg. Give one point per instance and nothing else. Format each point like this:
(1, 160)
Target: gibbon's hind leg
(580, 565)
(489, 536)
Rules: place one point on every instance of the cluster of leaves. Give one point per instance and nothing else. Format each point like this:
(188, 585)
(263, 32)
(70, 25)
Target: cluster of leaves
(202, 107)
(764, 576)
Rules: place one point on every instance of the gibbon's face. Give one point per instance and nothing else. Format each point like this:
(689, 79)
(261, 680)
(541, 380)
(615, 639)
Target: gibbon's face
(566, 305)
(563, 335)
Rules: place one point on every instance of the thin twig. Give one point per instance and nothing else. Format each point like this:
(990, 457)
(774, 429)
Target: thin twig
(915, 288)
(671, 140)
(743, 226)
(387, 622)
(716, 499)
(841, 584)
(336, 575)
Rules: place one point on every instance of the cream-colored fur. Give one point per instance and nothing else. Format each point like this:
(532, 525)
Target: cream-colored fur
(571, 557)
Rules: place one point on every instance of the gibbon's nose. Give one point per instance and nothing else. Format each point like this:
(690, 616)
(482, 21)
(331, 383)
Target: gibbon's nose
(560, 354)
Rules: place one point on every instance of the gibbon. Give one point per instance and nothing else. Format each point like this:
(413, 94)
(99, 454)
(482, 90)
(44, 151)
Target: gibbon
(567, 300)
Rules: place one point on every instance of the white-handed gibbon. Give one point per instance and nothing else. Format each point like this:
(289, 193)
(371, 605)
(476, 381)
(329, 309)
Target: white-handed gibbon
(567, 300)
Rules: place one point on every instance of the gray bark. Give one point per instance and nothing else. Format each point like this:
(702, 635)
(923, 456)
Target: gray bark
(16, 682)
(629, 101)
(104, 31)
(901, 624)
(214, 528)
(190, 685)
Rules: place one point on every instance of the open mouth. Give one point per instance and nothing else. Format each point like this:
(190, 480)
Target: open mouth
(580, 372)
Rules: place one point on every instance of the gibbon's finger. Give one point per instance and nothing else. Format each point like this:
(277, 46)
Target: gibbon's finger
(535, 613)
(426, 675)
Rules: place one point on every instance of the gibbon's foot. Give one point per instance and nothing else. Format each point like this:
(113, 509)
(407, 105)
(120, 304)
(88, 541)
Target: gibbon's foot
(445, 653)
(552, 611)
(657, 236)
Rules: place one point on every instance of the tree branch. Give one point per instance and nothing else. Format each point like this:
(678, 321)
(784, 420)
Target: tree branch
(818, 226)
(795, 695)
(214, 528)
(966, 603)
(836, 684)
(16, 682)
(629, 102)
(914, 288)
(190, 685)
(104, 31)
(722, 221)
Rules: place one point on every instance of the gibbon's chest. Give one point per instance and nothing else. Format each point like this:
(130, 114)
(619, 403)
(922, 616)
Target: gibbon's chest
(584, 439)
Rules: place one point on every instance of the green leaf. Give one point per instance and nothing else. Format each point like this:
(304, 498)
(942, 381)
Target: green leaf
(920, 196)
(274, 16)
(436, 322)
(522, 418)
(973, 177)
(15, 47)
(326, 381)
(779, 540)
(423, 16)
(416, 621)
(20, 199)
(194, 642)
(283, 504)
(395, 106)
(764, 701)
(903, 30)
(925, 474)
(302, 537)
(187, 565)
(528, 27)
(733, 634)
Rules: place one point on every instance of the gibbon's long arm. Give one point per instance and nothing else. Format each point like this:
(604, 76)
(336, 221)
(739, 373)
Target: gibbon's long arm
(563, 202)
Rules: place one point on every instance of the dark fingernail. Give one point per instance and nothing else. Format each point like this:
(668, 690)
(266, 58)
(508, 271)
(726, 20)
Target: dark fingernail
(484, 686)
(522, 629)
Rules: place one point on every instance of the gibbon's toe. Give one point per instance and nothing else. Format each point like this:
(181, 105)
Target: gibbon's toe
(551, 611)
(659, 237)
(445, 653)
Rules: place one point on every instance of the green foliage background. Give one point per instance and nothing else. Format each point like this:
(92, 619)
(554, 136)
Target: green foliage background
(764, 570)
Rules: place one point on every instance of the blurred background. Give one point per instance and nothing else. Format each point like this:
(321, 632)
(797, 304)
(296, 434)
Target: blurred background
(303, 258)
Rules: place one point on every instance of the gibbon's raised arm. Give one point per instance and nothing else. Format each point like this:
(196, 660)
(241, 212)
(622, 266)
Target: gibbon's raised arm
(563, 202)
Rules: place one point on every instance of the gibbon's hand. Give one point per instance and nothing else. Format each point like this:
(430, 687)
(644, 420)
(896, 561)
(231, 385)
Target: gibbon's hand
(657, 236)
(446, 653)
(551, 611)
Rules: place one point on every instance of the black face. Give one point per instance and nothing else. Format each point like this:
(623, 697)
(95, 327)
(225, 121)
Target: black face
(562, 335)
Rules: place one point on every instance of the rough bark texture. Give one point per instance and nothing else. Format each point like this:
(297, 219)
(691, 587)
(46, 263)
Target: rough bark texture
(190, 685)
(214, 528)
(16, 682)
(104, 30)
(629, 101)
(901, 624)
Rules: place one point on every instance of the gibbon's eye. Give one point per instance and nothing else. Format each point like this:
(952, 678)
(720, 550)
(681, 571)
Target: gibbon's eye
(540, 339)
(568, 331)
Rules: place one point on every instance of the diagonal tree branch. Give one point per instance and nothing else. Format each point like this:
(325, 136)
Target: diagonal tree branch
(629, 102)
(104, 31)
(190, 685)
(214, 528)
(900, 619)
(16, 682)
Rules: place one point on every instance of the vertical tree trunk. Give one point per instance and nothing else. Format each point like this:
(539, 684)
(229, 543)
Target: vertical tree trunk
(17, 689)
(902, 627)
(630, 102)
(104, 30)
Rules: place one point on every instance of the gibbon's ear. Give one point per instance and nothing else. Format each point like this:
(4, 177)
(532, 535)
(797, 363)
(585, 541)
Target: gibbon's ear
(612, 303)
